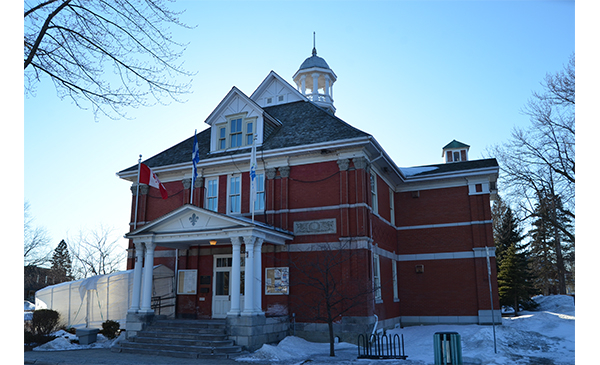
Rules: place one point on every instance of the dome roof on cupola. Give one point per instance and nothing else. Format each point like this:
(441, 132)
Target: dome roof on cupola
(314, 61)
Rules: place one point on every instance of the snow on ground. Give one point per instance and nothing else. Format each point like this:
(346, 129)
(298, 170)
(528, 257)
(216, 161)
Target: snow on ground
(544, 337)
(63, 342)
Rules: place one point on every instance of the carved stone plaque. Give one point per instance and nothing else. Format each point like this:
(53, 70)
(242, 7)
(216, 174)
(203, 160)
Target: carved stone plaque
(321, 226)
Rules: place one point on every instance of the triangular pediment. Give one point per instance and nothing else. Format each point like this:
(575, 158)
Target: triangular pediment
(190, 225)
(190, 218)
(275, 90)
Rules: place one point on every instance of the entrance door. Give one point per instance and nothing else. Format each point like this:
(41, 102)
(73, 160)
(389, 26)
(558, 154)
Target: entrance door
(222, 286)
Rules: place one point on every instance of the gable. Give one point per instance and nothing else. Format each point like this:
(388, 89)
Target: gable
(186, 218)
(235, 105)
(274, 90)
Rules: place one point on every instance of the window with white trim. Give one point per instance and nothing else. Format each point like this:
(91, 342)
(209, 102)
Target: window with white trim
(249, 133)
(237, 132)
(395, 280)
(235, 194)
(259, 203)
(212, 194)
(222, 142)
(376, 277)
(392, 213)
(373, 191)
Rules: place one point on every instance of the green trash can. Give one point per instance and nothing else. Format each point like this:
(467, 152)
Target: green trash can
(447, 348)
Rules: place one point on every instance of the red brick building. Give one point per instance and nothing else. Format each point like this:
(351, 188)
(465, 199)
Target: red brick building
(405, 244)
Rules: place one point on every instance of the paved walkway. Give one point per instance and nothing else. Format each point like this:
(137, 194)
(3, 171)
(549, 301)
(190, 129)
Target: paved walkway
(105, 356)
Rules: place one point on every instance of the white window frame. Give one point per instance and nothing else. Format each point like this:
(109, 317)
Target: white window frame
(222, 134)
(373, 188)
(237, 209)
(377, 278)
(214, 197)
(249, 137)
(392, 209)
(259, 203)
(236, 133)
(395, 280)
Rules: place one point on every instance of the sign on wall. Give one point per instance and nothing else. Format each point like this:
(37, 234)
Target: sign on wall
(187, 281)
(277, 280)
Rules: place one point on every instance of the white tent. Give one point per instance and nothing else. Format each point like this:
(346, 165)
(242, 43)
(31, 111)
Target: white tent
(90, 302)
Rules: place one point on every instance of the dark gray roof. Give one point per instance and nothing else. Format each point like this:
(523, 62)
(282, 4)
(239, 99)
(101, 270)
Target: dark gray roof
(302, 123)
(314, 61)
(456, 166)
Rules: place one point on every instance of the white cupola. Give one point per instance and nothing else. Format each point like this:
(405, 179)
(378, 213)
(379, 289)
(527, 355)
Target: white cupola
(315, 79)
(455, 151)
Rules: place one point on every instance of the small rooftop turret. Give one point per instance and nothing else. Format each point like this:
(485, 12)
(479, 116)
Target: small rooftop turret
(456, 151)
(315, 79)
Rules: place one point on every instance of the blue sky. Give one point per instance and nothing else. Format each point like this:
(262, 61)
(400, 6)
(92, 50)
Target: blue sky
(414, 74)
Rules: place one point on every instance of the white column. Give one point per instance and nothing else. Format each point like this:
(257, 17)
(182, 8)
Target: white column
(258, 287)
(303, 78)
(315, 89)
(249, 277)
(327, 96)
(236, 275)
(137, 278)
(147, 288)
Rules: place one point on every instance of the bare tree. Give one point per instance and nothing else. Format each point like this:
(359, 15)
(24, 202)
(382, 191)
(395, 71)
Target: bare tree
(542, 157)
(540, 160)
(96, 252)
(36, 250)
(74, 42)
(330, 286)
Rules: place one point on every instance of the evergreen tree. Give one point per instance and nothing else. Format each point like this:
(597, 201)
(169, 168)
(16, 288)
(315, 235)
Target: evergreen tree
(514, 278)
(515, 286)
(551, 251)
(61, 263)
(506, 232)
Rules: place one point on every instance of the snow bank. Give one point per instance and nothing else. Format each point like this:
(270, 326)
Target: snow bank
(63, 342)
(546, 336)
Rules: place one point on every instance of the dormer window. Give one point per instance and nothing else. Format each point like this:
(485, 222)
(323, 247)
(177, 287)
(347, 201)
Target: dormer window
(237, 132)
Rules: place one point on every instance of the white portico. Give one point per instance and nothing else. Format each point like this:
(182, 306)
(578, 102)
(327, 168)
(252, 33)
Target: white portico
(193, 226)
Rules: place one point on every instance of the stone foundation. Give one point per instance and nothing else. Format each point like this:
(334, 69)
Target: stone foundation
(251, 332)
(136, 322)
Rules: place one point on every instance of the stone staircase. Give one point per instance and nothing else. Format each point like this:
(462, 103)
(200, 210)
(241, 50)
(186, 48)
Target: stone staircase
(182, 338)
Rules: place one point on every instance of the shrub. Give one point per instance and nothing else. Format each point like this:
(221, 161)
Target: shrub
(110, 329)
(45, 321)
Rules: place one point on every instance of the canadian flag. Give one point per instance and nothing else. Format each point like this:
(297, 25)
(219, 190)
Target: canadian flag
(148, 177)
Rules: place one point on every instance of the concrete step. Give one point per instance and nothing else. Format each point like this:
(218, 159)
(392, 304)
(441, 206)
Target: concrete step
(156, 333)
(182, 348)
(182, 338)
(184, 342)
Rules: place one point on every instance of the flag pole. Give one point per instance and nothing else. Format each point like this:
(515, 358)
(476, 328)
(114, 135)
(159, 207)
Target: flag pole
(487, 257)
(194, 167)
(137, 194)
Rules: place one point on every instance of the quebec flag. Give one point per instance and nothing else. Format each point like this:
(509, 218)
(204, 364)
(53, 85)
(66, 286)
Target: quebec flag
(253, 176)
(195, 159)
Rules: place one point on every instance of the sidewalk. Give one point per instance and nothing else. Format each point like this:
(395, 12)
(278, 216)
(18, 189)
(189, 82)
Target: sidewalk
(105, 356)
